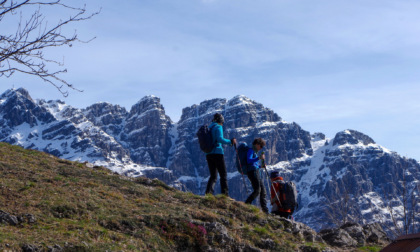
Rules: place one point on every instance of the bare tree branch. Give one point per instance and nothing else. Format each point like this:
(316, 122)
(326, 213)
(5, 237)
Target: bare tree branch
(23, 50)
(343, 209)
(408, 221)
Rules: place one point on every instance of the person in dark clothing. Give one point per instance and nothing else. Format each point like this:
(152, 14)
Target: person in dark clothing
(255, 175)
(215, 158)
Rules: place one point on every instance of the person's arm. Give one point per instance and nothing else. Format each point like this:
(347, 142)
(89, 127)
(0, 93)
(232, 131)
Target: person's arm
(249, 159)
(219, 136)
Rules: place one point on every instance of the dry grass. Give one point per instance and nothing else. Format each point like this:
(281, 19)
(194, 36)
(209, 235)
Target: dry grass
(92, 209)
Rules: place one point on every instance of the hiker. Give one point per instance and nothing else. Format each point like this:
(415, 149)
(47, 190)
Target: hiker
(255, 175)
(215, 158)
(277, 193)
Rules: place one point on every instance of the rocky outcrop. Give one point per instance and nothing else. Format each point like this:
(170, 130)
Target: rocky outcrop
(352, 137)
(8, 218)
(217, 233)
(14, 220)
(355, 235)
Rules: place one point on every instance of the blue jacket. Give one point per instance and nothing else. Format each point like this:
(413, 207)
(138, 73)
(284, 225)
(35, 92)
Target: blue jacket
(217, 134)
(252, 160)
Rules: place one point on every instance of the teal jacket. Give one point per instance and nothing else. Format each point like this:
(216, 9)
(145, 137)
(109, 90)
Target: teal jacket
(217, 134)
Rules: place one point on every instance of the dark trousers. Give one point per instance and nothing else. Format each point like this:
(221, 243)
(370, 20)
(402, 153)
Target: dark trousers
(217, 164)
(259, 189)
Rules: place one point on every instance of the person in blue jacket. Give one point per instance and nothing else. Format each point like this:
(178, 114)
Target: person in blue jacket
(215, 158)
(255, 175)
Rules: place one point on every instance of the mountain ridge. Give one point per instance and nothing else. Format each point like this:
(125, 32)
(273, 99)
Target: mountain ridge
(146, 142)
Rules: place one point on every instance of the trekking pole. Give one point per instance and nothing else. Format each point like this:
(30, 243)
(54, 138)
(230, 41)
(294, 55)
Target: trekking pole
(240, 166)
(272, 185)
(264, 166)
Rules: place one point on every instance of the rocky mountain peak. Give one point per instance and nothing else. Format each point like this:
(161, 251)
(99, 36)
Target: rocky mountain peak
(146, 132)
(241, 111)
(146, 104)
(204, 111)
(16, 93)
(240, 100)
(103, 108)
(352, 137)
(107, 116)
(23, 92)
(18, 107)
(104, 113)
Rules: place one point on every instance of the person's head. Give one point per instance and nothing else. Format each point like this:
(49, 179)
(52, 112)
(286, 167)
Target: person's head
(275, 175)
(258, 143)
(218, 118)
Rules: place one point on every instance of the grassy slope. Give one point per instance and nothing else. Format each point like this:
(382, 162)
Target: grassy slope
(81, 208)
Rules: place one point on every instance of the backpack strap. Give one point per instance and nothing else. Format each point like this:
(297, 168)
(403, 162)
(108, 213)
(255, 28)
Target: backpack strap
(211, 132)
(279, 184)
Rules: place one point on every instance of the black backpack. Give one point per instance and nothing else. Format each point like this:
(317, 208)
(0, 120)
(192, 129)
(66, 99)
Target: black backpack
(288, 195)
(241, 160)
(205, 139)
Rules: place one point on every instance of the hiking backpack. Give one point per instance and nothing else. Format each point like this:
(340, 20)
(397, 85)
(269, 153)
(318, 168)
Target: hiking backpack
(241, 160)
(291, 196)
(205, 139)
(288, 195)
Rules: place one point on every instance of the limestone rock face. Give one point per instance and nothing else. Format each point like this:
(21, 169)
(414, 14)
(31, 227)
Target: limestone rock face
(352, 137)
(56, 128)
(143, 132)
(17, 108)
(245, 120)
(108, 117)
(351, 178)
(146, 132)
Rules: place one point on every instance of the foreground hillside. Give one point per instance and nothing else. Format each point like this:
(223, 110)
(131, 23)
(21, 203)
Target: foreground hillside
(52, 204)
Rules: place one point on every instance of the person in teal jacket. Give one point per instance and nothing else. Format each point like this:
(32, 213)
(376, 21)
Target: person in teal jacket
(215, 158)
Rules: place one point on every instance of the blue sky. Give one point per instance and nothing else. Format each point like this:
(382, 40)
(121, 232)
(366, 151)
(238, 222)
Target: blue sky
(327, 65)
